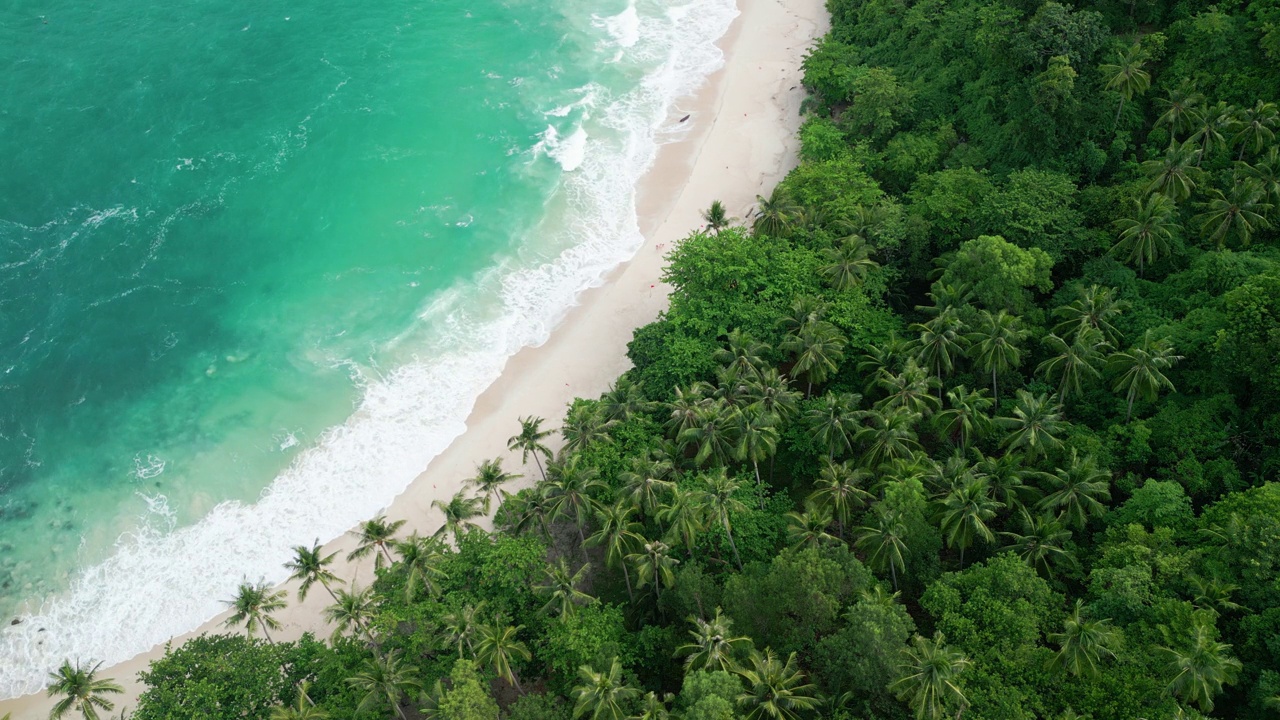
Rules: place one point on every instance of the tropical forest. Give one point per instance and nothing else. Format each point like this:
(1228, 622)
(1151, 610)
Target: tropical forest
(976, 416)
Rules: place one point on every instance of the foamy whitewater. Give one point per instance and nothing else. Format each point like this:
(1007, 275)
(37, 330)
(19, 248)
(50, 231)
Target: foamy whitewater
(162, 582)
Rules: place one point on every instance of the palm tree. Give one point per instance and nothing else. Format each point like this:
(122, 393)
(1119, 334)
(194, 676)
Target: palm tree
(654, 566)
(846, 265)
(1071, 363)
(1083, 643)
(80, 690)
(775, 215)
(645, 484)
(1213, 594)
(713, 433)
(1035, 425)
(1182, 111)
(909, 390)
(460, 627)
(1094, 309)
(529, 442)
(421, 558)
(966, 415)
(1145, 236)
(386, 679)
(1126, 76)
(744, 355)
(995, 345)
(769, 393)
(602, 695)
(530, 506)
(889, 436)
(1078, 490)
(561, 589)
(758, 438)
(1175, 175)
(1140, 370)
(714, 645)
(497, 647)
(1266, 172)
(809, 528)
(252, 607)
(351, 609)
(489, 479)
(685, 516)
(458, 513)
(1209, 130)
(1042, 547)
(375, 535)
(885, 542)
(720, 502)
(653, 707)
(717, 217)
(929, 678)
(1007, 477)
(1200, 671)
(585, 425)
(302, 709)
(964, 514)
(310, 565)
(818, 349)
(941, 341)
(838, 488)
(834, 422)
(620, 535)
(569, 489)
(1255, 128)
(776, 690)
(1240, 213)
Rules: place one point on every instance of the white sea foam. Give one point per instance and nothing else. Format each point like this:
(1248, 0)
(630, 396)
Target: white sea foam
(162, 582)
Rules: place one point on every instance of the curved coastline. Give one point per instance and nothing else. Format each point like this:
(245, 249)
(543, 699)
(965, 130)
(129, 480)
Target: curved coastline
(738, 143)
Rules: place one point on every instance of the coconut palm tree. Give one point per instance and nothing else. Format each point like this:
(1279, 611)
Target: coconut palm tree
(310, 566)
(744, 355)
(653, 707)
(1094, 309)
(994, 346)
(809, 528)
(1083, 643)
(1126, 75)
(758, 438)
(375, 535)
(1266, 172)
(684, 516)
(839, 489)
(834, 422)
(713, 433)
(620, 536)
(1140, 370)
(1043, 545)
(1078, 490)
(682, 411)
(1214, 121)
(1255, 128)
(387, 680)
(570, 486)
(964, 514)
(1183, 110)
(966, 415)
(1177, 173)
(909, 390)
(884, 542)
(421, 558)
(714, 645)
(529, 442)
(489, 479)
(776, 215)
(1145, 235)
(889, 436)
(531, 507)
(460, 627)
(804, 311)
(602, 695)
(1239, 213)
(769, 393)
(929, 678)
(846, 265)
(78, 689)
(1069, 363)
(458, 513)
(585, 425)
(624, 400)
(776, 690)
(1213, 594)
(1200, 671)
(646, 484)
(302, 709)
(654, 566)
(720, 503)
(497, 647)
(560, 587)
(717, 217)
(1008, 478)
(818, 348)
(252, 607)
(941, 341)
(1035, 425)
(351, 609)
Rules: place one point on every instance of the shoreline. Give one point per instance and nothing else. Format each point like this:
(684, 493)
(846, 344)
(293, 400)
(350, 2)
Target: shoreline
(743, 140)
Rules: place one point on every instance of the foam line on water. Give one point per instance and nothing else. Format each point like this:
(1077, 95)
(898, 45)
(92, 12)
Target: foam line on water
(162, 582)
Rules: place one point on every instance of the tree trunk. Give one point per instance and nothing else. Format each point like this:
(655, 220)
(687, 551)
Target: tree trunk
(539, 461)
(1118, 110)
(387, 553)
(961, 557)
(266, 634)
(329, 590)
(728, 531)
(1128, 416)
(626, 574)
(893, 571)
(995, 389)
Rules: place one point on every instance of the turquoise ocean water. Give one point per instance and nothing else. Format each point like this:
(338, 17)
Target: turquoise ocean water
(257, 260)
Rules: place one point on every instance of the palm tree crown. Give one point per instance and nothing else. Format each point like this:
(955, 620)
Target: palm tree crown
(252, 607)
(80, 690)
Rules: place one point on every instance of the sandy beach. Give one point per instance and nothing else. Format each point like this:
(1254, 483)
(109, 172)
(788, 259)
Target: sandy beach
(741, 141)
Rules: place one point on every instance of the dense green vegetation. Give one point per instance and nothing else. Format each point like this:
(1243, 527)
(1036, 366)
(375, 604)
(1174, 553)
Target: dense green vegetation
(978, 418)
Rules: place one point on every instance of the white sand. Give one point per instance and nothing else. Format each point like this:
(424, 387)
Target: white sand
(741, 143)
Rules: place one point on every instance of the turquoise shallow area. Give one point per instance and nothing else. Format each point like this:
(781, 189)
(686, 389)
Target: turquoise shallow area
(214, 218)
